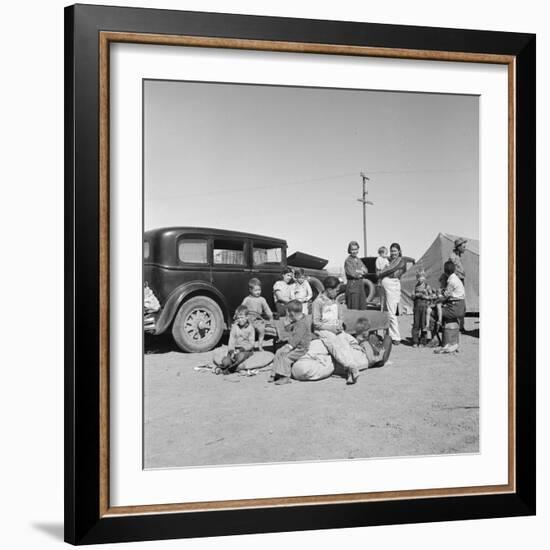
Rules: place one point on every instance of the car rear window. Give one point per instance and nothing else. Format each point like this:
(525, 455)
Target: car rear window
(193, 251)
(228, 252)
(267, 255)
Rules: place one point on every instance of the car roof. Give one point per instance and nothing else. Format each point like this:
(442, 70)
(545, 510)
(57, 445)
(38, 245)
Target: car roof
(209, 231)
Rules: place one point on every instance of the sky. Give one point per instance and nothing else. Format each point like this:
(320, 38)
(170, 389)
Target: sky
(286, 162)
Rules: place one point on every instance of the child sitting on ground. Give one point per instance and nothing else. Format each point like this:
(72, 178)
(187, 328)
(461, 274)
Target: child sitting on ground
(299, 332)
(258, 309)
(241, 342)
(422, 296)
(301, 290)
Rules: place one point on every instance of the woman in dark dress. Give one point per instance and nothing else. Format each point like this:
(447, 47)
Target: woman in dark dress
(355, 271)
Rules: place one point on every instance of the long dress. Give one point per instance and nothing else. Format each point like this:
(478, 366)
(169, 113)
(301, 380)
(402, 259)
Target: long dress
(355, 287)
(392, 294)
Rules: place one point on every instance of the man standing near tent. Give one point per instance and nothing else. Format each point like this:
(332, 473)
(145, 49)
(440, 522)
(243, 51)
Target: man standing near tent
(456, 258)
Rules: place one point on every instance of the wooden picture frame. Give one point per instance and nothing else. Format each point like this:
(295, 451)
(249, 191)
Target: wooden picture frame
(89, 32)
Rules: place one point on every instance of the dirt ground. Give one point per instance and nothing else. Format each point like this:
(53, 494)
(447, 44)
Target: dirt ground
(419, 404)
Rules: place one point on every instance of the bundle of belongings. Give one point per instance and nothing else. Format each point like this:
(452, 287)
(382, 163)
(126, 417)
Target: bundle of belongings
(336, 354)
(151, 306)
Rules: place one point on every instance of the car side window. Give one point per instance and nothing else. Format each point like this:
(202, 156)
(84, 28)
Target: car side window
(264, 254)
(193, 251)
(146, 250)
(229, 252)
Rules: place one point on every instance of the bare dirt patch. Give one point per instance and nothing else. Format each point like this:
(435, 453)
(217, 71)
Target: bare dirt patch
(420, 404)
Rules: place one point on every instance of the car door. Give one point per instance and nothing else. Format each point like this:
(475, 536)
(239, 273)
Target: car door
(231, 269)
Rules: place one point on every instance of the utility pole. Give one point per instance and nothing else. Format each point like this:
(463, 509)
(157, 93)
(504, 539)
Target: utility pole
(364, 201)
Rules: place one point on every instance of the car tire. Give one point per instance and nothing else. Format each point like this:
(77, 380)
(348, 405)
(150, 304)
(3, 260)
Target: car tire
(198, 325)
(370, 289)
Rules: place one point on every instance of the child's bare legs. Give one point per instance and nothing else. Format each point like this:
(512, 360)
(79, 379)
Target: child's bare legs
(438, 321)
(260, 328)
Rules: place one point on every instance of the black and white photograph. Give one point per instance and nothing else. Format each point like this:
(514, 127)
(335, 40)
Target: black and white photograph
(310, 274)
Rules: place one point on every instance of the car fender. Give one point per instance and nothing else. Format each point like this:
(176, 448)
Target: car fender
(179, 295)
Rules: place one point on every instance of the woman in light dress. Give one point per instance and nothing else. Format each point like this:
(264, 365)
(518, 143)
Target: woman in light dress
(391, 285)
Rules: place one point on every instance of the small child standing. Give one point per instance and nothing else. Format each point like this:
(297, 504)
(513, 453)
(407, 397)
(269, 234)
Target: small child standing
(258, 309)
(382, 262)
(436, 311)
(301, 290)
(241, 342)
(422, 296)
(297, 346)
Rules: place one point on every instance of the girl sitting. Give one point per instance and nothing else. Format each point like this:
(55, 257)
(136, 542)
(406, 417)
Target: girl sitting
(282, 291)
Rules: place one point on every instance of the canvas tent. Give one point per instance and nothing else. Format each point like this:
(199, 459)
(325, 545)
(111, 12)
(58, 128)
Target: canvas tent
(432, 262)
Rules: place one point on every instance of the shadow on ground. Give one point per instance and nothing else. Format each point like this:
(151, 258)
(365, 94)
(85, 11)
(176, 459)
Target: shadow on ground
(54, 530)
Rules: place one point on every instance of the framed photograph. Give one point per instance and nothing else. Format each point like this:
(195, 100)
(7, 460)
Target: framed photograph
(298, 277)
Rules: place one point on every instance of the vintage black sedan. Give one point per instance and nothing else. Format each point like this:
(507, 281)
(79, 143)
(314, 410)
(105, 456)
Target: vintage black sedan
(200, 276)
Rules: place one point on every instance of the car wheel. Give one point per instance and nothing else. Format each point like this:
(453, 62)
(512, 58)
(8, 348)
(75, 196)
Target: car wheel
(198, 325)
(370, 291)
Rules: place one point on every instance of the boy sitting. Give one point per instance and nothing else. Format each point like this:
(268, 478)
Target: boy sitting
(241, 342)
(297, 346)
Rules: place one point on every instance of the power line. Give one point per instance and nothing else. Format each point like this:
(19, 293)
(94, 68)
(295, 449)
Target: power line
(307, 182)
(257, 187)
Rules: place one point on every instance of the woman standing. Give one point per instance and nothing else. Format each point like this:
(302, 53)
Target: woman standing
(391, 284)
(355, 271)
